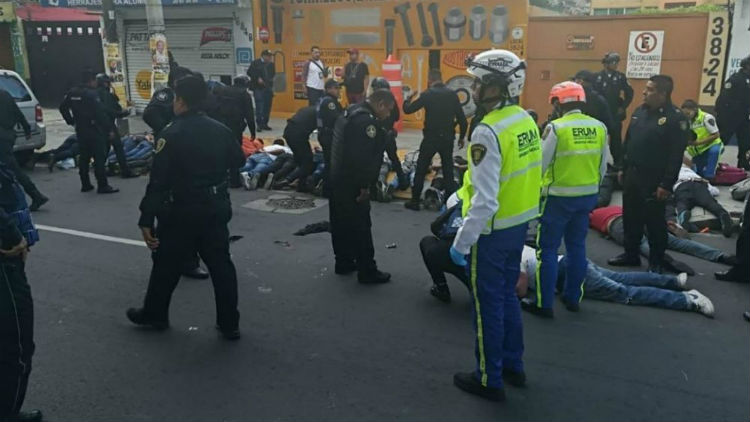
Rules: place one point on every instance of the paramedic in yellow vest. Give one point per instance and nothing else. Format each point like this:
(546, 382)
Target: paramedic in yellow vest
(706, 149)
(500, 194)
(574, 150)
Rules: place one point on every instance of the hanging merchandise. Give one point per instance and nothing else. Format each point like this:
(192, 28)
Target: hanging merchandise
(297, 17)
(455, 24)
(433, 8)
(402, 10)
(426, 38)
(477, 22)
(499, 27)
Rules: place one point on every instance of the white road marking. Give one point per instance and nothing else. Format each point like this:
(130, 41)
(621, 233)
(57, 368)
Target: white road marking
(92, 235)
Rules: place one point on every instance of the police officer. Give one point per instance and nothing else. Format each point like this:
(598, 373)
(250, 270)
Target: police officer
(233, 106)
(190, 201)
(328, 110)
(500, 194)
(614, 86)
(596, 105)
(297, 134)
(17, 235)
(10, 116)
(391, 148)
(114, 110)
(733, 111)
(443, 112)
(654, 146)
(574, 151)
(356, 156)
(83, 109)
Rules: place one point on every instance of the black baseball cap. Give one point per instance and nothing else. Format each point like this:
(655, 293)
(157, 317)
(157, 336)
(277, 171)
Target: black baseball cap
(266, 53)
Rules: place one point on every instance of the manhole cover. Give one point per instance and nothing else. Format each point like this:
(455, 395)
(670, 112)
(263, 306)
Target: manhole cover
(291, 203)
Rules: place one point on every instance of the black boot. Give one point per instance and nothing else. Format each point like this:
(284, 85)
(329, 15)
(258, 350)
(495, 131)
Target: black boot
(516, 379)
(197, 273)
(412, 205)
(625, 260)
(32, 416)
(373, 277)
(531, 308)
(107, 189)
(727, 226)
(345, 267)
(87, 187)
(230, 334)
(442, 292)
(137, 317)
(468, 382)
(37, 201)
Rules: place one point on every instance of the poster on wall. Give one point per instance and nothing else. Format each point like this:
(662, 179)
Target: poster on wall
(157, 44)
(740, 44)
(644, 54)
(113, 59)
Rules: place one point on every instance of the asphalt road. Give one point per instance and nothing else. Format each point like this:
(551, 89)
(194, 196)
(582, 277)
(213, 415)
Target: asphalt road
(317, 346)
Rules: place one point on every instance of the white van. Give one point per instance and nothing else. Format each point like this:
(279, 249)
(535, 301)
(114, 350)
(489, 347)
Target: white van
(27, 102)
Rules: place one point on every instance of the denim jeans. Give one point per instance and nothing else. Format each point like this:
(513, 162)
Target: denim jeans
(686, 246)
(630, 288)
(263, 101)
(705, 164)
(256, 163)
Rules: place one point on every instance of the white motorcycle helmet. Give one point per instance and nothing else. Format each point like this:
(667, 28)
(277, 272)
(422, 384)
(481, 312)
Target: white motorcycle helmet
(499, 67)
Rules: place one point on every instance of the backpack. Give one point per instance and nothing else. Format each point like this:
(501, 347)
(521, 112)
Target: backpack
(727, 175)
(740, 189)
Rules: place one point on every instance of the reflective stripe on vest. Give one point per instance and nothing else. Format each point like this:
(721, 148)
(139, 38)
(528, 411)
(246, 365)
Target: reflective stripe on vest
(701, 132)
(575, 167)
(520, 173)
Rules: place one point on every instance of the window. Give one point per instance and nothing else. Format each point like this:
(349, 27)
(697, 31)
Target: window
(15, 88)
(616, 11)
(676, 5)
(602, 11)
(629, 10)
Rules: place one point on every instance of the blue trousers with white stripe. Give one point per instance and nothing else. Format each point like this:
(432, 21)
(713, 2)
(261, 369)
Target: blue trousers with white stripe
(494, 266)
(562, 217)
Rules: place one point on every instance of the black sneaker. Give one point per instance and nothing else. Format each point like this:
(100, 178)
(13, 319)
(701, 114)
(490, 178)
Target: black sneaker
(412, 205)
(442, 292)
(233, 334)
(728, 259)
(571, 306)
(87, 188)
(31, 416)
(266, 127)
(625, 260)
(107, 189)
(468, 382)
(656, 269)
(137, 317)
(38, 201)
(727, 226)
(197, 273)
(516, 379)
(533, 309)
(344, 268)
(373, 277)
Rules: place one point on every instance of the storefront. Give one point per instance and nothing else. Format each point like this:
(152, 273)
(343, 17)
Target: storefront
(7, 20)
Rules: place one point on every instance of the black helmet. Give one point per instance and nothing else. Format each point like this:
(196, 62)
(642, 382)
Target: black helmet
(611, 57)
(242, 81)
(177, 73)
(380, 83)
(586, 76)
(102, 79)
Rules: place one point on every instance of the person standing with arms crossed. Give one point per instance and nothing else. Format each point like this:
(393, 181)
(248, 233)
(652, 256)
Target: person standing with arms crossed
(261, 73)
(654, 146)
(574, 150)
(614, 86)
(443, 112)
(500, 194)
(315, 75)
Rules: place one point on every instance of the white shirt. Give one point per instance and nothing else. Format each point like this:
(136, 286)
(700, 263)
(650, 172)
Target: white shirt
(271, 149)
(485, 181)
(529, 262)
(315, 75)
(687, 174)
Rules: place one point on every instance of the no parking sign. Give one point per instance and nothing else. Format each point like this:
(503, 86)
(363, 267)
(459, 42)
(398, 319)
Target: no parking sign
(644, 54)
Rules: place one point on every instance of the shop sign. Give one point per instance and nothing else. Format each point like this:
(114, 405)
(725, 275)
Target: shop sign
(580, 42)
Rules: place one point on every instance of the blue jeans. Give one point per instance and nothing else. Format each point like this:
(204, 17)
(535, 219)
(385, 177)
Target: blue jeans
(256, 163)
(263, 101)
(562, 217)
(139, 151)
(686, 246)
(494, 265)
(632, 288)
(705, 164)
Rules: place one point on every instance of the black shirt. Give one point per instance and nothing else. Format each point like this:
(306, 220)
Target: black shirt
(733, 103)
(260, 69)
(329, 109)
(358, 145)
(158, 113)
(177, 172)
(354, 77)
(596, 106)
(443, 110)
(655, 143)
(111, 103)
(304, 121)
(10, 114)
(610, 85)
(83, 109)
(232, 106)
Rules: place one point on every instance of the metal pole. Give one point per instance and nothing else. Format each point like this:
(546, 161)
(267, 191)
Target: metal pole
(157, 44)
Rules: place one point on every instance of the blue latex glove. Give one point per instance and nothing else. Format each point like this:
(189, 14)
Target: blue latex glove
(457, 257)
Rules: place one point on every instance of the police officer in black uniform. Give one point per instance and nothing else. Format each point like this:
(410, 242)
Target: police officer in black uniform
(190, 200)
(297, 134)
(329, 109)
(114, 110)
(654, 146)
(83, 109)
(10, 116)
(17, 234)
(596, 105)
(614, 87)
(443, 112)
(733, 111)
(391, 149)
(356, 156)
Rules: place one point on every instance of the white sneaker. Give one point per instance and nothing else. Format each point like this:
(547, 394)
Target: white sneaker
(700, 303)
(682, 280)
(269, 181)
(254, 181)
(245, 180)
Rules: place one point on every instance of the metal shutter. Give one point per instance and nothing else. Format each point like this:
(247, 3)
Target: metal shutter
(205, 46)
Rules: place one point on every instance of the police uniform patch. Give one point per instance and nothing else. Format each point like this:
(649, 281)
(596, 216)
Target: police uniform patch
(728, 85)
(161, 96)
(371, 131)
(662, 121)
(478, 151)
(684, 125)
(331, 106)
(160, 144)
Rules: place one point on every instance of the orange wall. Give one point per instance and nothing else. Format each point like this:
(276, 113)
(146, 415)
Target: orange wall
(549, 60)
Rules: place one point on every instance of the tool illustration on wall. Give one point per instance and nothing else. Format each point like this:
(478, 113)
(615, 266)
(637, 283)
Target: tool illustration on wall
(402, 9)
(316, 22)
(455, 24)
(263, 30)
(420, 62)
(461, 84)
(359, 17)
(499, 25)
(356, 38)
(426, 38)
(477, 22)
(297, 17)
(277, 12)
(390, 26)
(433, 8)
(279, 79)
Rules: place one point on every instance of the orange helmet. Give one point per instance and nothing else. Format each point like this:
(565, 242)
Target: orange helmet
(567, 92)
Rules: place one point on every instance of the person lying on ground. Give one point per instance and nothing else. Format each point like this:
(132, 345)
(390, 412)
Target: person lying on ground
(690, 191)
(257, 165)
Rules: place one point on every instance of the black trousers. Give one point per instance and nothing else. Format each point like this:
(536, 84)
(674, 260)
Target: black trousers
(9, 159)
(431, 145)
(325, 139)
(303, 155)
(16, 336)
(92, 144)
(741, 270)
(740, 129)
(116, 144)
(617, 234)
(615, 141)
(195, 228)
(642, 209)
(351, 229)
(314, 95)
(691, 194)
(234, 173)
(437, 259)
